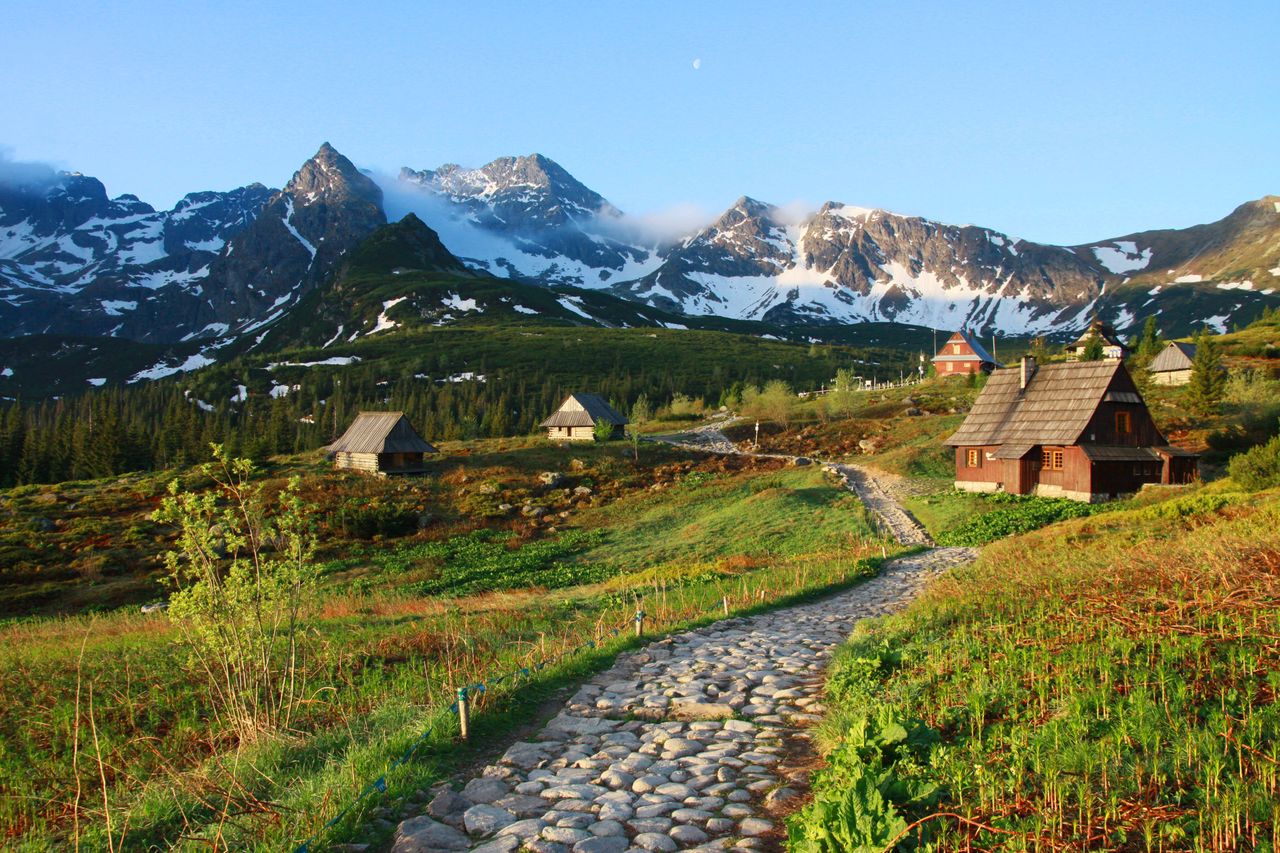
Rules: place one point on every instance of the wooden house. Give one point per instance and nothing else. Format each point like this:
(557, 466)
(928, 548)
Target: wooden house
(381, 443)
(1112, 347)
(576, 418)
(1076, 430)
(962, 355)
(1173, 365)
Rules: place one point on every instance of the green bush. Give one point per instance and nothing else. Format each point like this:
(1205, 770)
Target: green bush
(364, 521)
(1258, 468)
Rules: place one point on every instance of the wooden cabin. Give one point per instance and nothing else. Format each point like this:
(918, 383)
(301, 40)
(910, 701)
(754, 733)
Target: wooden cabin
(963, 355)
(576, 418)
(381, 443)
(1112, 347)
(1173, 365)
(1078, 430)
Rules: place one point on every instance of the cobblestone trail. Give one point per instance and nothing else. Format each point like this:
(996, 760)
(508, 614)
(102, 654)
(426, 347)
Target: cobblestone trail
(679, 746)
(893, 517)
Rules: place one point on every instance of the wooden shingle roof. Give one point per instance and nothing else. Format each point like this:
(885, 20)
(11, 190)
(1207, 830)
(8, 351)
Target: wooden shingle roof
(1176, 356)
(583, 410)
(381, 432)
(1055, 407)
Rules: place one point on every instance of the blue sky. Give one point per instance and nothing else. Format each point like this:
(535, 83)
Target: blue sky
(1056, 122)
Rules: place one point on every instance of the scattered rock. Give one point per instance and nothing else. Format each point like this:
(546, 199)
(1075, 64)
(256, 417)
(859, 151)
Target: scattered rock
(424, 835)
(447, 804)
(552, 479)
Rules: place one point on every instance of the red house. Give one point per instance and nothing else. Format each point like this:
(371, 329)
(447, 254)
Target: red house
(962, 355)
(1076, 430)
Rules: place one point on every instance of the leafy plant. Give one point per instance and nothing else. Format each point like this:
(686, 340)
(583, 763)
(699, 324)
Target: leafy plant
(1258, 468)
(603, 430)
(243, 577)
(1026, 513)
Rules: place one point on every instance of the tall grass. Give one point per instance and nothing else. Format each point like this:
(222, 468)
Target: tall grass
(382, 668)
(1109, 683)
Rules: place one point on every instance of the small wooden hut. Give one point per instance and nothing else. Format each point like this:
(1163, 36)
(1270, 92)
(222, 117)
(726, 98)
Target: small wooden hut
(576, 418)
(381, 443)
(1173, 365)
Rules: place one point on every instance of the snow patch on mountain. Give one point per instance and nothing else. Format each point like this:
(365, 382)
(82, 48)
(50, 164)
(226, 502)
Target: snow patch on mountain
(1122, 257)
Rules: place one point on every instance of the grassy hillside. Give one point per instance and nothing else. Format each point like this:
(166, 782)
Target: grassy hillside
(1106, 683)
(400, 619)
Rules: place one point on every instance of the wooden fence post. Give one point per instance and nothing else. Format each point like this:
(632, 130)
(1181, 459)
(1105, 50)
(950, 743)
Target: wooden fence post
(464, 713)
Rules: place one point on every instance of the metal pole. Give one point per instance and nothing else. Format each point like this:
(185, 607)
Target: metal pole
(464, 713)
(724, 602)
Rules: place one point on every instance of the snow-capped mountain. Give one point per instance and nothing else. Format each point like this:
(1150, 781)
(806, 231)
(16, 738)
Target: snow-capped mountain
(223, 267)
(294, 244)
(73, 261)
(528, 218)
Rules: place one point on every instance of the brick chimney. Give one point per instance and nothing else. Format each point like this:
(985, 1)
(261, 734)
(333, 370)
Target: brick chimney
(1026, 371)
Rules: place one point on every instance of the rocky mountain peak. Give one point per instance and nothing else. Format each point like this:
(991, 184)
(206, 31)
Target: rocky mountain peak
(332, 176)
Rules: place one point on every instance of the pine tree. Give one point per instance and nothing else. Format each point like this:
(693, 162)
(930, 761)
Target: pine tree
(1093, 349)
(1208, 379)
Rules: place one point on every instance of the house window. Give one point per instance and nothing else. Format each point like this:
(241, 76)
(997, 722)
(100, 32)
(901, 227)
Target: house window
(951, 365)
(1123, 423)
(973, 459)
(1051, 458)
(955, 349)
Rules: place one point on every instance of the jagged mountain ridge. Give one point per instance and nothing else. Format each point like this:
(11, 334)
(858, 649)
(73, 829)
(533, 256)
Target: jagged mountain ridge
(226, 266)
(73, 261)
(845, 264)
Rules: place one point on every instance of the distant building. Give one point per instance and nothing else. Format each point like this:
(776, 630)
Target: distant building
(576, 418)
(1111, 345)
(381, 443)
(1076, 430)
(962, 355)
(1173, 365)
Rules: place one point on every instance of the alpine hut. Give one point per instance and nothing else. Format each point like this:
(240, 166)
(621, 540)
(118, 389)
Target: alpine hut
(962, 355)
(1112, 348)
(381, 443)
(1172, 366)
(576, 418)
(1078, 430)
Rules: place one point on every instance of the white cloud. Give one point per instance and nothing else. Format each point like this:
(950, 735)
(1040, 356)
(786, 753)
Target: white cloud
(697, 63)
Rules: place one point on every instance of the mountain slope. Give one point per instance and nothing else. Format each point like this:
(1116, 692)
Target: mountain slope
(73, 261)
(223, 268)
(294, 244)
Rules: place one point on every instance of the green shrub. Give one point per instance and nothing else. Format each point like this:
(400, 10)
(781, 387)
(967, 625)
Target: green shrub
(1258, 468)
(365, 521)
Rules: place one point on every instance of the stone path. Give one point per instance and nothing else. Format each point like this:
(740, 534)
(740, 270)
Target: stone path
(682, 745)
(679, 746)
(874, 493)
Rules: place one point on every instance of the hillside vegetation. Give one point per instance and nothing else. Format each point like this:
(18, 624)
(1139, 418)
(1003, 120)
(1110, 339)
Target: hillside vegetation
(112, 740)
(1105, 683)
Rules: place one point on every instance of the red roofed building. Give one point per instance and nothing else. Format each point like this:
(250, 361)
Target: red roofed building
(962, 355)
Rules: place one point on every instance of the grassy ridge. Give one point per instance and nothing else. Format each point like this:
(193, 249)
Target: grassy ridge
(1107, 683)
